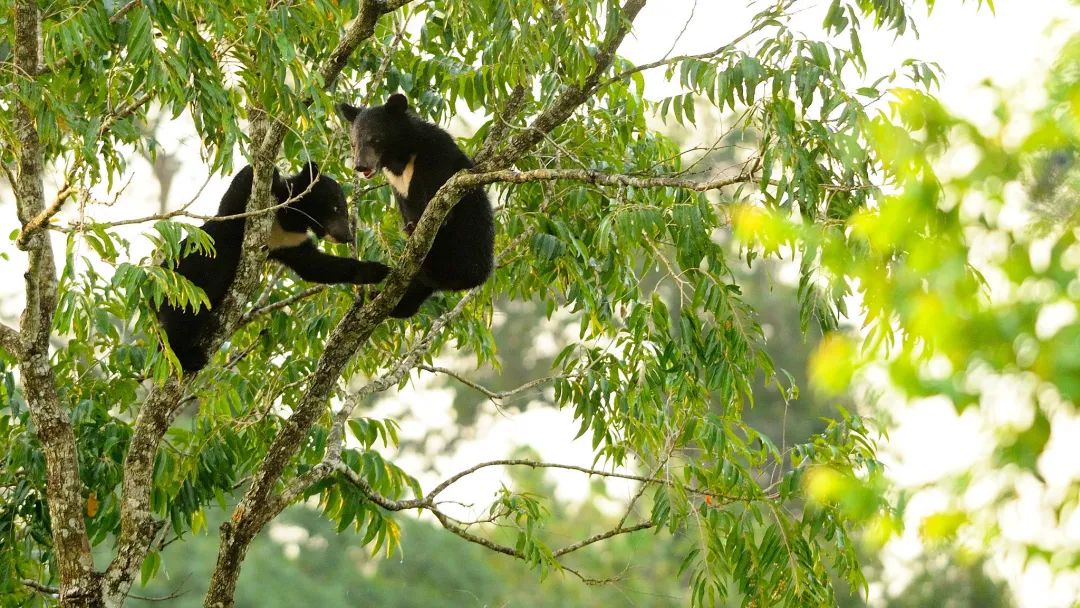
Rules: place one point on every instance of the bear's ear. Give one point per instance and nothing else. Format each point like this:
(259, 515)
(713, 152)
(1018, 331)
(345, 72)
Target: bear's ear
(347, 112)
(310, 170)
(279, 187)
(397, 103)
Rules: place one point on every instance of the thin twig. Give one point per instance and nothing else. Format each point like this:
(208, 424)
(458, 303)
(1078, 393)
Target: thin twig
(490, 394)
(569, 467)
(261, 310)
(677, 59)
(616, 531)
(64, 60)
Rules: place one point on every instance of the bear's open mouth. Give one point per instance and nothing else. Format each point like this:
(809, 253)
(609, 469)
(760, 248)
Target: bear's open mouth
(367, 171)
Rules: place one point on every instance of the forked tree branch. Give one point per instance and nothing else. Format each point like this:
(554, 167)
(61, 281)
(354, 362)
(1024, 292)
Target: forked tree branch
(360, 320)
(358, 323)
(430, 504)
(136, 530)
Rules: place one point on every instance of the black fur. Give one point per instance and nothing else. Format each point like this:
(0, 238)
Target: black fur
(388, 138)
(321, 210)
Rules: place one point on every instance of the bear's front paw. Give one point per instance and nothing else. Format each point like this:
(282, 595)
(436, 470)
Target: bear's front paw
(371, 272)
(409, 227)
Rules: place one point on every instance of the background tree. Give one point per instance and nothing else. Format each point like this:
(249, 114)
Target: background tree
(592, 200)
(967, 279)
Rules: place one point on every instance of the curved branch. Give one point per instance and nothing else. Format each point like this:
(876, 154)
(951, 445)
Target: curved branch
(616, 531)
(427, 504)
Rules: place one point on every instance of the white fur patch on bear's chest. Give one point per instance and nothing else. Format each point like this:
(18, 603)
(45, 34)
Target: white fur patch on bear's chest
(400, 183)
(282, 239)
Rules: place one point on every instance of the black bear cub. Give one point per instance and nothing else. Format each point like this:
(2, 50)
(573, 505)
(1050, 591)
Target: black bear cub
(417, 158)
(319, 206)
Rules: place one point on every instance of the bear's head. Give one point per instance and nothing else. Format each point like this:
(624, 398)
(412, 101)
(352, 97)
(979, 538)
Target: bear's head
(319, 205)
(381, 136)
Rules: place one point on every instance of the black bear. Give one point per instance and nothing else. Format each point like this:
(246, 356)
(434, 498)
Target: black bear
(417, 158)
(319, 206)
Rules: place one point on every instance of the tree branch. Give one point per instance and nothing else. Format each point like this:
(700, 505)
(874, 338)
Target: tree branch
(616, 531)
(572, 96)
(678, 59)
(510, 176)
(427, 504)
(45, 215)
(490, 394)
(52, 426)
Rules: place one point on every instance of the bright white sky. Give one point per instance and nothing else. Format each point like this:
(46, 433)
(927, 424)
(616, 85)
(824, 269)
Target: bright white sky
(1012, 48)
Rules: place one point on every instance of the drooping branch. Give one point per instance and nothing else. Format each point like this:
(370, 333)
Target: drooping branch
(645, 525)
(428, 503)
(52, 425)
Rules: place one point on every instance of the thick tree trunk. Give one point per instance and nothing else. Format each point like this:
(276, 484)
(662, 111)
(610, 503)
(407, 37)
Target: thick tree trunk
(78, 584)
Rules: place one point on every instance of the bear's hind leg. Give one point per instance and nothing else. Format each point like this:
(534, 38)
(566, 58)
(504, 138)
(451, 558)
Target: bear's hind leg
(415, 295)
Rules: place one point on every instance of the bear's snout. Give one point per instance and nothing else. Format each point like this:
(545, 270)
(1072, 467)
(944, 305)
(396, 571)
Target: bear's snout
(339, 231)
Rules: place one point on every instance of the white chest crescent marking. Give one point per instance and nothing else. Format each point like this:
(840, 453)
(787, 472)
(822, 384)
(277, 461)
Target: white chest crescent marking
(281, 239)
(400, 183)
